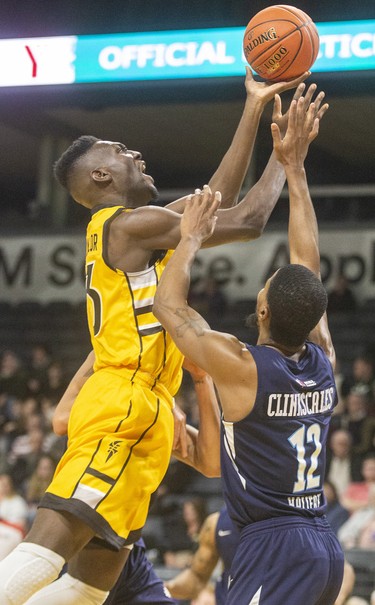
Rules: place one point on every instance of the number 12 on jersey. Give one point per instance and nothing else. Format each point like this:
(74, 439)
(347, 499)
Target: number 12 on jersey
(300, 441)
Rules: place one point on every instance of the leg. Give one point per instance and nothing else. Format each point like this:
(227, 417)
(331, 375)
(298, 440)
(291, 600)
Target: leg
(59, 531)
(98, 566)
(91, 574)
(36, 562)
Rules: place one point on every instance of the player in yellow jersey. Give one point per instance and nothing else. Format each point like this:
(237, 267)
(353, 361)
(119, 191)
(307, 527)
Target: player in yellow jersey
(121, 426)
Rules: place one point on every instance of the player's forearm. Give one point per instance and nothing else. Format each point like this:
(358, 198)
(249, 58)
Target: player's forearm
(303, 228)
(261, 199)
(233, 168)
(186, 586)
(172, 291)
(207, 450)
(62, 412)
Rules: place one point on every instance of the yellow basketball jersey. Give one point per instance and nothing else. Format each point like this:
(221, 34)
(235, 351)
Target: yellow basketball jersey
(124, 332)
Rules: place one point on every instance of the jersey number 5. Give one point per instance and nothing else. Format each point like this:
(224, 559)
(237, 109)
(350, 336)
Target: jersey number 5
(96, 299)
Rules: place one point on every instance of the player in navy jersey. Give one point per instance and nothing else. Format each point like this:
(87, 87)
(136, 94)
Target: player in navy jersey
(277, 397)
(218, 541)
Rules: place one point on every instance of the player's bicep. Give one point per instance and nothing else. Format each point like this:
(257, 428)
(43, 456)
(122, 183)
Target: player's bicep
(153, 228)
(215, 352)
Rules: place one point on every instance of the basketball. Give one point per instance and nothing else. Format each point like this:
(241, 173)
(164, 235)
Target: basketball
(280, 43)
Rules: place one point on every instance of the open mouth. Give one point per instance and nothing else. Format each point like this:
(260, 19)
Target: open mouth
(142, 166)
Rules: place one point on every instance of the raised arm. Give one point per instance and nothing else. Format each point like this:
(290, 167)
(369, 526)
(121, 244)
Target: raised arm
(231, 173)
(223, 356)
(203, 445)
(190, 582)
(303, 128)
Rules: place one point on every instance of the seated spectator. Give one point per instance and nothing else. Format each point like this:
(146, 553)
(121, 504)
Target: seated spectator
(343, 466)
(350, 533)
(362, 378)
(8, 426)
(366, 539)
(341, 298)
(336, 514)
(357, 421)
(13, 377)
(38, 482)
(13, 516)
(26, 449)
(357, 494)
(210, 301)
(179, 545)
(55, 382)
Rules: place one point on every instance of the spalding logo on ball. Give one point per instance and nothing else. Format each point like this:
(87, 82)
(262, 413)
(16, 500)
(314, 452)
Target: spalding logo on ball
(281, 42)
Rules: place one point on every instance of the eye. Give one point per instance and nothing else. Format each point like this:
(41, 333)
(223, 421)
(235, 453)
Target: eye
(120, 148)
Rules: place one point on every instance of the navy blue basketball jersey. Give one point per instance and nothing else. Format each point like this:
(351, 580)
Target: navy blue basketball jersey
(273, 461)
(227, 537)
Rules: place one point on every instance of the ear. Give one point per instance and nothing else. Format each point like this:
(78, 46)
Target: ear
(101, 175)
(263, 312)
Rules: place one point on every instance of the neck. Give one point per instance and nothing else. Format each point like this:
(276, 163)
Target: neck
(288, 351)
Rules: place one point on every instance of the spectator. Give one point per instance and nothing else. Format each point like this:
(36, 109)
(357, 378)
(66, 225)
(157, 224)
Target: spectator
(55, 382)
(13, 515)
(350, 533)
(38, 482)
(26, 449)
(341, 298)
(357, 494)
(13, 378)
(367, 536)
(362, 378)
(210, 301)
(180, 544)
(343, 466)
(336, 514)
(357, 421)
(8, 426)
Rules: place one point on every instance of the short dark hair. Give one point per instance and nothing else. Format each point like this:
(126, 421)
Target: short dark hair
(62, 169)
(297, 300)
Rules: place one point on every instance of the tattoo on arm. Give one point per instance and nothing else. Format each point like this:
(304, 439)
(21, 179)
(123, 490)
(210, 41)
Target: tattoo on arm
(192, 320)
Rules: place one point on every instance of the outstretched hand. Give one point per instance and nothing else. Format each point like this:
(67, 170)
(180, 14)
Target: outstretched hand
(199, 218)
(265, 91)
(281, 119)
(303, 127)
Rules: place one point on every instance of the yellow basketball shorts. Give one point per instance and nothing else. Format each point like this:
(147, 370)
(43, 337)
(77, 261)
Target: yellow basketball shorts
(120, 439)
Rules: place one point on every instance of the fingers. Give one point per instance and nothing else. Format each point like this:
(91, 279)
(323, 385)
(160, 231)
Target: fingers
(294, 83)
(276, 136)
(322, 111)
(310, 93)
(299, 91)
(277, 110)
(206, 199)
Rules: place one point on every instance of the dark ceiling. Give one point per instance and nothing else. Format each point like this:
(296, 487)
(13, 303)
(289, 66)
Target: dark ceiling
(182, 129)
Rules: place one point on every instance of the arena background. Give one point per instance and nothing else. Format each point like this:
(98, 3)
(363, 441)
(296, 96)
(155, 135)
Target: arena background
(182, 129)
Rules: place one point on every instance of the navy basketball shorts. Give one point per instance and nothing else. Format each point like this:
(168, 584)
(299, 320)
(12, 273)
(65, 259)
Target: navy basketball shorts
(138, 583)
(286, 560)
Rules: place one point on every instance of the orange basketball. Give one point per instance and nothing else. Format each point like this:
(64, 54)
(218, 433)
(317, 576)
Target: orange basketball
(281, 42)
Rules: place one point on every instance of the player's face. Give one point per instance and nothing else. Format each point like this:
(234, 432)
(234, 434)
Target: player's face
(128, 171)
(253, 319)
